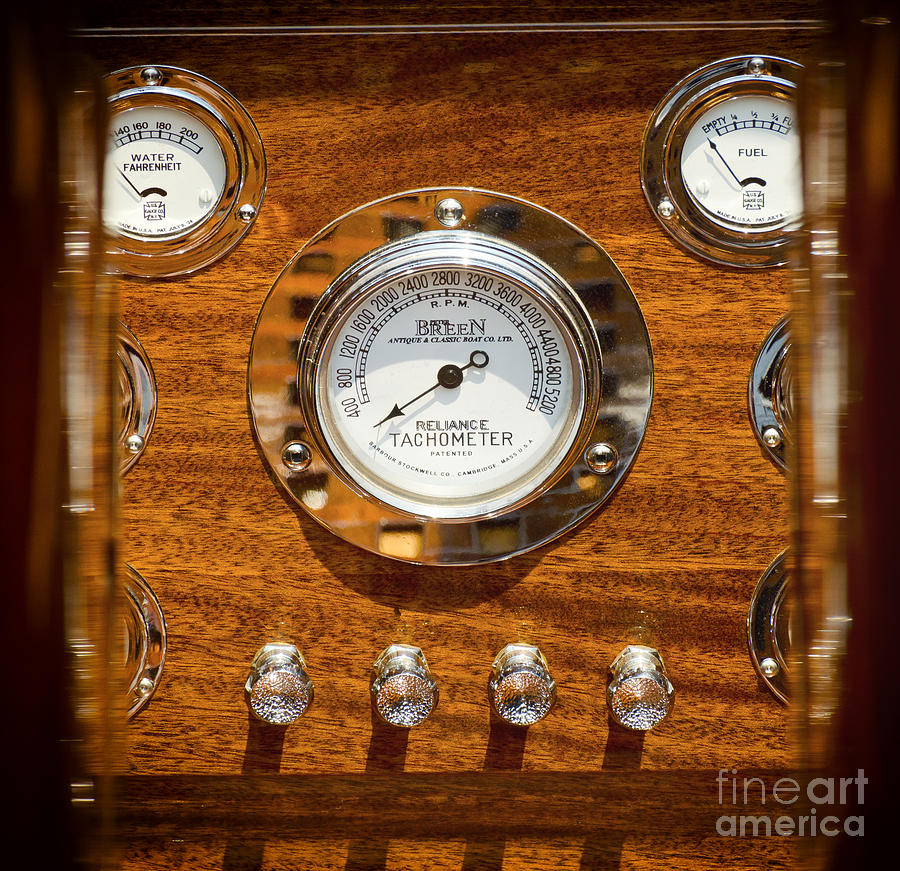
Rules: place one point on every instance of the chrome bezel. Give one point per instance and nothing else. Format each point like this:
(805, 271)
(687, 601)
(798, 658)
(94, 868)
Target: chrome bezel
(768, 626)
(145, 641)
(688, 223)
(138, 396)
(245, 172)
(769, 391)
(292, 328)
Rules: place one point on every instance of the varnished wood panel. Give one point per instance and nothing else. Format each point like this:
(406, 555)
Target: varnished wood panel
(555, 119)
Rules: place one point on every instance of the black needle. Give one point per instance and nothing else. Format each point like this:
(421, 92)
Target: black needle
(143, 193)
(130, 183)
(712, 145)
(450, 376)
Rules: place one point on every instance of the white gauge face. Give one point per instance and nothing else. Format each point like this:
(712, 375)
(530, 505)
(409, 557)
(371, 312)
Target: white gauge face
(741, 163)
(165, 172)
(450, 392)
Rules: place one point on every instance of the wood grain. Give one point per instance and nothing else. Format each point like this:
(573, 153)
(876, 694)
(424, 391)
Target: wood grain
(557, 120)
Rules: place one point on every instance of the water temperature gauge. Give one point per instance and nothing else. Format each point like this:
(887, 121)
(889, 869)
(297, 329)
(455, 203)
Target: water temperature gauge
(185, 171)
(450, 376)
(720, 164)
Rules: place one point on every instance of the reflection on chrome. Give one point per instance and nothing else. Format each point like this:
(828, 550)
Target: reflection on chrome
(145, 641)
(137, 396)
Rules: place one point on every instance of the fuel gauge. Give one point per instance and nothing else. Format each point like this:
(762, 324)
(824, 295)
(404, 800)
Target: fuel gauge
(741, 163)
(720, 163)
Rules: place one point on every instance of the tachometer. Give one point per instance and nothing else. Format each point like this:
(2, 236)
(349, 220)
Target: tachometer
(427, 376)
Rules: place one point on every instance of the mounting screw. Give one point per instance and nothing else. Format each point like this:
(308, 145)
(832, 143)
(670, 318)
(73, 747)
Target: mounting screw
(151, 76)
(145, 686)
(246, 213)
(756, 66)
(134, 443)
(772, 436)
(601, 458)
(296, 456)
(665, 209)
(769, 667)
(449, 212)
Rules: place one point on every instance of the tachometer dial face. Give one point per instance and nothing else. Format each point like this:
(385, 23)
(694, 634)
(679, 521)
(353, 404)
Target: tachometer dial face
(720, 162)
(185, 171)
(452, 391)
(740, 163)
(426, 378)
(165, 172)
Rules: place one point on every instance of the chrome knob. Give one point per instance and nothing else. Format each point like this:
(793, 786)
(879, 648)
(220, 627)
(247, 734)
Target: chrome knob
(639, 694)
(278, 689)
(521, 688)
(403, 690)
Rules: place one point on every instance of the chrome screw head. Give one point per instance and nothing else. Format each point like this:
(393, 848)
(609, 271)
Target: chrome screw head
(296, 456)
(134, 443)
(756, 66)
(601, 458)
(769, 667)
(151, 76)
(246, 213)
(664, 208)
(772, 436)
(145, 686)
(449, 212)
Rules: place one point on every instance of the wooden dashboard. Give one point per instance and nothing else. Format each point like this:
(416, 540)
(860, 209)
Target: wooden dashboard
(353, 104)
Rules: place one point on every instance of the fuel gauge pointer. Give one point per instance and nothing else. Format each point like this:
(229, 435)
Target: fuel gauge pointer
(713, 146)
(742, 182)
(450, 376)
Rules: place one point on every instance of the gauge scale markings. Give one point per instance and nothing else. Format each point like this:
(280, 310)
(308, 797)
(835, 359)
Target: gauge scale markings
(478, 380)
(373, 329)
(720, 161)
(489, 378)
(732, 126)
(177, 138)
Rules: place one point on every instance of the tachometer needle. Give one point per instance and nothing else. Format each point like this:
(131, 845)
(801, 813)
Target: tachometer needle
(450, 376)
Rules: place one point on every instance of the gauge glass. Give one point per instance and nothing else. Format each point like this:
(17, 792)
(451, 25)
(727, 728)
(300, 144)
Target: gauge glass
(741, 162)
(165, 172)
(450, 391)
(426, 380)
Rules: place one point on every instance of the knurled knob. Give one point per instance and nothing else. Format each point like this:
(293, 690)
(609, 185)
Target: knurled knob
(278, 689)
(521, 689)
(639, 694)
(404, 692)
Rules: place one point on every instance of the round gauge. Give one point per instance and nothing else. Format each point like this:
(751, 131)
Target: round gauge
(426, 377)
(720, 164)
(165, 172)
(451, 384)
(185, 171)
(771, 393)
